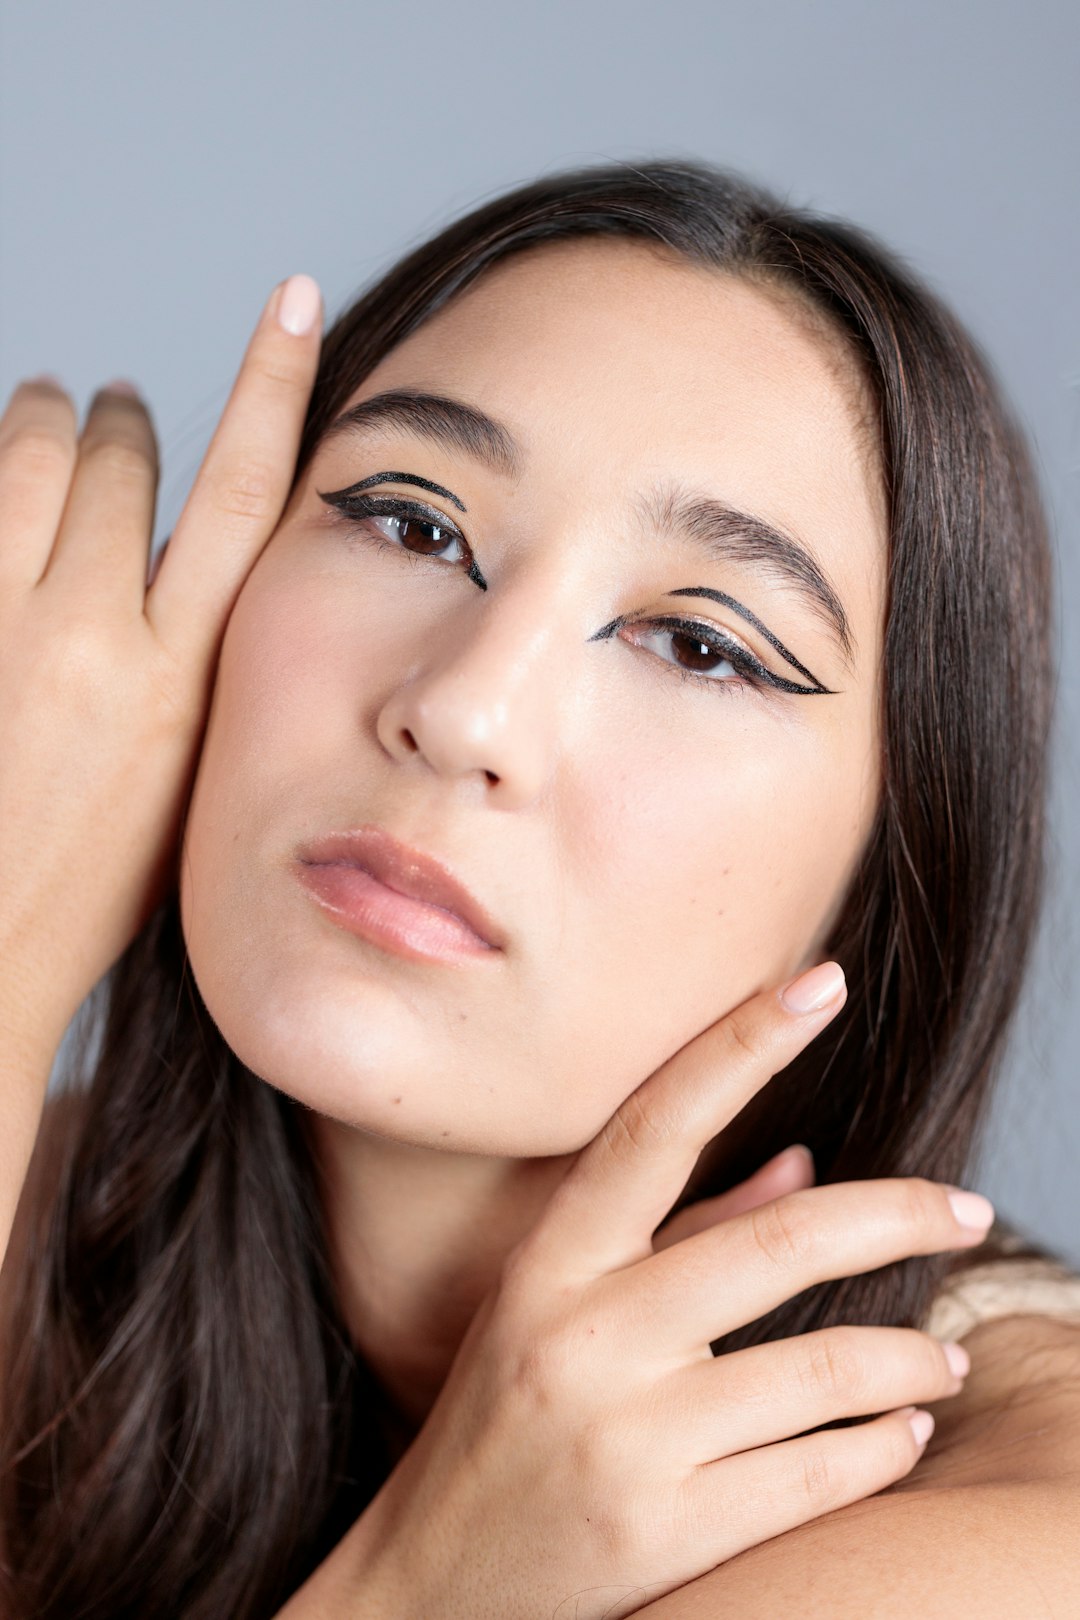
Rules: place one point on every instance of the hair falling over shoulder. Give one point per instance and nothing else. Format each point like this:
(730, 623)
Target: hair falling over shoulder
(187, 1429)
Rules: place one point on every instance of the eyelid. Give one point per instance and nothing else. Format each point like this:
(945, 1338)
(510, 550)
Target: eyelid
(357, 506)
(740, 655)
(712, 595)
(720, 630)
(402, 505)
(351, 499)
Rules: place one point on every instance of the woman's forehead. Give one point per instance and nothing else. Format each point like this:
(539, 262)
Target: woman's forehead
(626, 344)
(620, 366)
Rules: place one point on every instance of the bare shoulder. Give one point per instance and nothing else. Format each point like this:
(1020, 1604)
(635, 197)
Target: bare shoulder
(985, 1524)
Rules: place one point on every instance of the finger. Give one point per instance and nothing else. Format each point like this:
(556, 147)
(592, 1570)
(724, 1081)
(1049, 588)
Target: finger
(737, 1502)
(776, 1251)
(103, 541)
(603, 1213)
(37, 458)
(787, 1171)
(242, 485)
(771, 1392)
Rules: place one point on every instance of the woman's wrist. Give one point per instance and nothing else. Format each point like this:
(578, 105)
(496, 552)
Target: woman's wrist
(361, 1579)
(32, 1023)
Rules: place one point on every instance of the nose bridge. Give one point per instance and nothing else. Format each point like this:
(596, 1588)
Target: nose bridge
(486, 699)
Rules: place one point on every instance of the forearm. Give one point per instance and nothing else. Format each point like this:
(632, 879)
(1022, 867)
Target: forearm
(358, 1581)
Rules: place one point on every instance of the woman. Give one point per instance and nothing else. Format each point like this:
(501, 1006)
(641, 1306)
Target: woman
(586, 733)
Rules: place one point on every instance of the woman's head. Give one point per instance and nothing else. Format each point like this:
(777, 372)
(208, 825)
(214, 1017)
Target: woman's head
(654, 846)
(656, 830)
(651, 846)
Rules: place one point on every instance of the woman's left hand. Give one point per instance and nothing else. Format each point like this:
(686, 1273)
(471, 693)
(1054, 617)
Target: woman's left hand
(787, 1172)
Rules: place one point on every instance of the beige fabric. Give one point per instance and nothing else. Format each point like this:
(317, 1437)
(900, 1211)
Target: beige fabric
(1004, 1287)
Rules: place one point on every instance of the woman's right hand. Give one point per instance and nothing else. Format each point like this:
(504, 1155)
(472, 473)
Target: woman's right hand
(105, 681)
(588, 1454)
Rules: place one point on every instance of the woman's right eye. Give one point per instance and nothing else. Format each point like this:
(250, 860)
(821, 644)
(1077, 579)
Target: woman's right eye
(426, 538)
(410, 526)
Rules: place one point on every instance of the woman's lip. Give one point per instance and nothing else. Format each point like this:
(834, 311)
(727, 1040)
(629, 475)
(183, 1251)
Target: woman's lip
(411, 875)
(412, 928)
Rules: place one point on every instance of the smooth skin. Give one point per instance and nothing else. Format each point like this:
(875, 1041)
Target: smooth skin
(568, 1307)
(656, 847)
(104, 686)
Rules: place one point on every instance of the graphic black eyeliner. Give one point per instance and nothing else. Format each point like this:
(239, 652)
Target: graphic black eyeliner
(350, 501)
(710, 636)
(356, 505)
(398, 478)
(740, 658)
(752, 618)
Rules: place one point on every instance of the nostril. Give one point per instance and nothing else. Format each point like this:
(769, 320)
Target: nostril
(410, 741)
(491, 776)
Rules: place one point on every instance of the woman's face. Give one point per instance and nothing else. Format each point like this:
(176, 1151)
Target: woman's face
(656, 831)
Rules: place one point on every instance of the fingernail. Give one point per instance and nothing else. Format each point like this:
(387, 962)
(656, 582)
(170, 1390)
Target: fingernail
(972, 1209)
(922, 1426)
(121, 385)
(799, 1150)
(814, 990)
(298, 304)
(958, 1359)
(47, 379)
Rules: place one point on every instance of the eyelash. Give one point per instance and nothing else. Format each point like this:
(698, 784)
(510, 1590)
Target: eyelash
(750, 671)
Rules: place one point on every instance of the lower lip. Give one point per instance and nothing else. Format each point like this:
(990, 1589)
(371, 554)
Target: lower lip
(361, 904)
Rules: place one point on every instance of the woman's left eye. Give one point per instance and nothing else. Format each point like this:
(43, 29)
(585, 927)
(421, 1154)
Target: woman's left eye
(699, 653)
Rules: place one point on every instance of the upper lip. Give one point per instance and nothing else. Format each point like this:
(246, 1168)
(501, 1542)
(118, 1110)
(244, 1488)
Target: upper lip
(407, 870)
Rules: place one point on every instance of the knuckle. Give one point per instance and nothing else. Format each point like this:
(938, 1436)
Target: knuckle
(248, 492)
(633, 1130)
(118, 460)
(74, 666)
(921, 1204)
(270, 366)
(835, 1366)
(742, 1037)
(544, 1367)
(37, 452)
(784, 1233)
(817, 1479)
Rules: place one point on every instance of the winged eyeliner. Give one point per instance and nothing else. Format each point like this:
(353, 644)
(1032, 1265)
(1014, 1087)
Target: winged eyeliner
(398, 478)
(816, 689)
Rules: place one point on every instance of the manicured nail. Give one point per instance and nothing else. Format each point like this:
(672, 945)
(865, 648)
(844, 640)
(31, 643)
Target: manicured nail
(814, 990)
(958, 1359)
(298, 305)
(121, 385)
(922, 1426)
(798, 1151)
(972, 1209)
(44, 379)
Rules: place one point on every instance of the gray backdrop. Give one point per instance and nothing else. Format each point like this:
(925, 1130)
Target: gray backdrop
(162, 168)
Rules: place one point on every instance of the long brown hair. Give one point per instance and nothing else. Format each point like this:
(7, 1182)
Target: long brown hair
(187, 1428)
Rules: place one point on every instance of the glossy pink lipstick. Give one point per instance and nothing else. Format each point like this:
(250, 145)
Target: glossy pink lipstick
(381, 889)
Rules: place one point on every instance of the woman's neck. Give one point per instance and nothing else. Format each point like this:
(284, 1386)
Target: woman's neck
(417, 1237)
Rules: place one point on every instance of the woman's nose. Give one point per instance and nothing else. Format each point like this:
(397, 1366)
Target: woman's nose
(485, 700)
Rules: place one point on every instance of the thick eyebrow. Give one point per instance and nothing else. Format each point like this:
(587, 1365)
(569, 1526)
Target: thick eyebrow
(446, 421)
(729, 535)
(725, 533)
